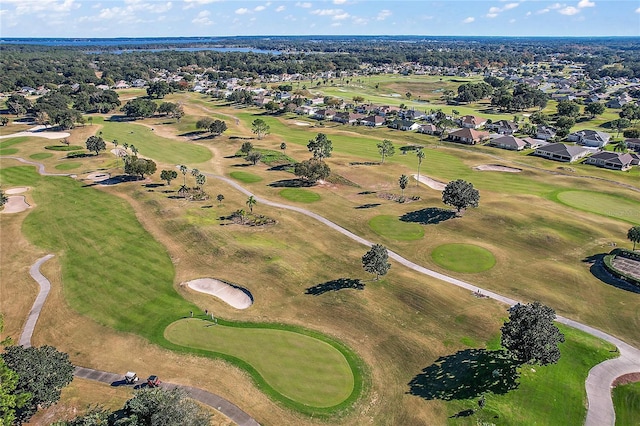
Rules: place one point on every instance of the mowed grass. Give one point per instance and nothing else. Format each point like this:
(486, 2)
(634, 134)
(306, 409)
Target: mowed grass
(151, 145)
(391, 227)
(549, 395)
(299, 195)
(68, 166)
(602, 204)
(465, 258)
(626, 400)
(300, 367)
(245, 177)
(41, 156)
(6, 144)
(64, 147)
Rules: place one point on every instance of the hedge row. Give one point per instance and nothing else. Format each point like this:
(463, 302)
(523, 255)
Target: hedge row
(608, 264)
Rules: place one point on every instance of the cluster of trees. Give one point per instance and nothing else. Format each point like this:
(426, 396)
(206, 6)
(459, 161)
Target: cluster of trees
(461, 195)
(519, 98)
(139, 108)
(172, 110)
(472, 92)
(251, 155)
(135, 166)
(215, 127)
(315, 168)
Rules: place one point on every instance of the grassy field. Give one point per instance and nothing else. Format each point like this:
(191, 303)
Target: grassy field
(626, 399)
(41, 155)
(603, 204)
(392, 228)
(68, 166)
(299, 195)
(464, 258)
(245, 177)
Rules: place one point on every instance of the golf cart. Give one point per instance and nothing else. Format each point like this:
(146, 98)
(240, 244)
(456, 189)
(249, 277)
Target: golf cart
(130, 378)
(153, 382)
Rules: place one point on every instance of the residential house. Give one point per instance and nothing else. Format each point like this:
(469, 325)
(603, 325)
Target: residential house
(592, 138)
(468, 136)
(121, 85)
(533, 143)
(429, 129)
(324, 114)
(616, 103)
(315, 101)
(412, 114)
(613, 160)
(504, 127)
(472, 121)
(347, 117)
(562, 152)
(509, 142)
(306, 110)
(372, 121)
(404, 125)
(545, 133)
(633, 144)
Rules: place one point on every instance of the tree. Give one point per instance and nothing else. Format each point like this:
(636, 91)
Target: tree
(321, 146)
(460, 194)
(96, 416)
(251, 201)
(183, 170)
(634, 236)
(386, 149)
(3, 198)
(10, 400)
(246, 147)
(312, 170)
(204, 123)
(620, 124)
(376, 261)
(260, 128)
(568, 109)
(631, 133)
(159, 407)
(283, 147)
(420, 154)
(4, 121)
(530, 335)
(220, 198)
(253, 157)
(620, 146)
(158, 89)
(195, 172)
(200, 180)
(139, 107)
(168, 175)
(594, 108)
(403, 181)
(218, 127)
(139, 166)
(42, 372)
(96, 144)
(134, 150)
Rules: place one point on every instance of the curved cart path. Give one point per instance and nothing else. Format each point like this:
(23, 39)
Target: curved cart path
(598, 384)
(216, 402)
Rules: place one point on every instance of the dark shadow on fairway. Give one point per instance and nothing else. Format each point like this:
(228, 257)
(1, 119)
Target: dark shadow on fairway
(153, 185)
(598, 270)
(114, 180)
(79, 155)
(207, 207)
(119, 383)
(463, 413)
(335, 285)
(466, 374)
(366, 192)
(192, 134)
(280, 167)
(428, 216)
(240, 138)
(290, 183)
(367, 206)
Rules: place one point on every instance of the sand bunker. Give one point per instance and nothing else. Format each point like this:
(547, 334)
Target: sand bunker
(431, 183)
(496, 168)
(98, 177)
(301, 123)
(40, 132)
(15, 204)
(233, 296)
(18, 190)
(119, 152)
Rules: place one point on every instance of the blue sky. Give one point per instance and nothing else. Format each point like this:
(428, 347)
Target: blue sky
(158, 18)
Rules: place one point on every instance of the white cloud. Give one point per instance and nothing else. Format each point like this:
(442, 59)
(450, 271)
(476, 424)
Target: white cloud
(586, 3)
(259, 8)
(360, 21)
(468, 20)
(339, 1)
(494, 11)
(280, 8)
(25, 7)
(305, 5)
(383, 14)
(491, 15)
(569, 11)
(638, 10)
(512, 21)
(556, 6)
(510, 6)
(336, 24)
(242, 11)
(97, 6)
(203, 18)
(341, 16)
(541, 11)
(199, 2)
(326, 12)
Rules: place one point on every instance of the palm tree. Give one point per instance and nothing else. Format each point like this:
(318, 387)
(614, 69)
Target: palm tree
(283, 147)
(125, 146)
(220, 197)
(251, 202)
(183, 170)
(200, 180)
(403, 182)
(420, 154)
(115, 143)
(195, 173)
(620, 146)
(134, 150)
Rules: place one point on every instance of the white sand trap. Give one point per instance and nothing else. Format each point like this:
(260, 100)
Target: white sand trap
(301, 123)
(223, 291)
(119, 152)
(15, 204)
(496, 168)
(39, 132)
(98, 177)
(431, 183)
(18, 190)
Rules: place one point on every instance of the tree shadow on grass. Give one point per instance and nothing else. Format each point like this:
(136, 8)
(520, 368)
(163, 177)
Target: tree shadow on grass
(428, 216)
(598, 270)
(291, 183)
(335, 285)
(466, 374)
(367, 206)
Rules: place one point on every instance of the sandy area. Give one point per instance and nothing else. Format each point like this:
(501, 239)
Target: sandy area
(431, 183)
(18, 190)
(99, 176)
(15, 204)
(301, 123)
(223, 291)
(496, 168)
(39, 132)
(119, 152)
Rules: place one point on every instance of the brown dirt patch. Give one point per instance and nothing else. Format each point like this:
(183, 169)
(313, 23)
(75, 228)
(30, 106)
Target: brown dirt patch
(626, 379)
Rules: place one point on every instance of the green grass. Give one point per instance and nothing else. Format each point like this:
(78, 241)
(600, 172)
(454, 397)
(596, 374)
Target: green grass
(245, 177)
(299, 195)
(626, 400)
(394, 229)
(550, 395)
(298, 366)
(68, 166)
(463, 258)
(150, 144)
(63, 147)
(603, 204)
(5, 144)
(41, 155)
(9, 151)
(107, 275)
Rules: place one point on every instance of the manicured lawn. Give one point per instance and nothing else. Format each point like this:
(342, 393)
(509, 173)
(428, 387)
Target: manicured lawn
(63, 147)
(299, 195)
(68, 166)
(463, 258)
(602, 204)
(300, 367)
(150, 144)
(41, 156)
(626, 399)
(245, 177)
(550, 395)
(9, 151)
(393, 228)
(5, 144)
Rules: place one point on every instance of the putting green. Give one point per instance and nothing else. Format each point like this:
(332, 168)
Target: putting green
(463, 257)
(393, 228)
(41, 156)
(602, 204)
(299, 195)
(300, 367)
(245, 177)
(8, 151)
(64, 147)
(68, 166)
